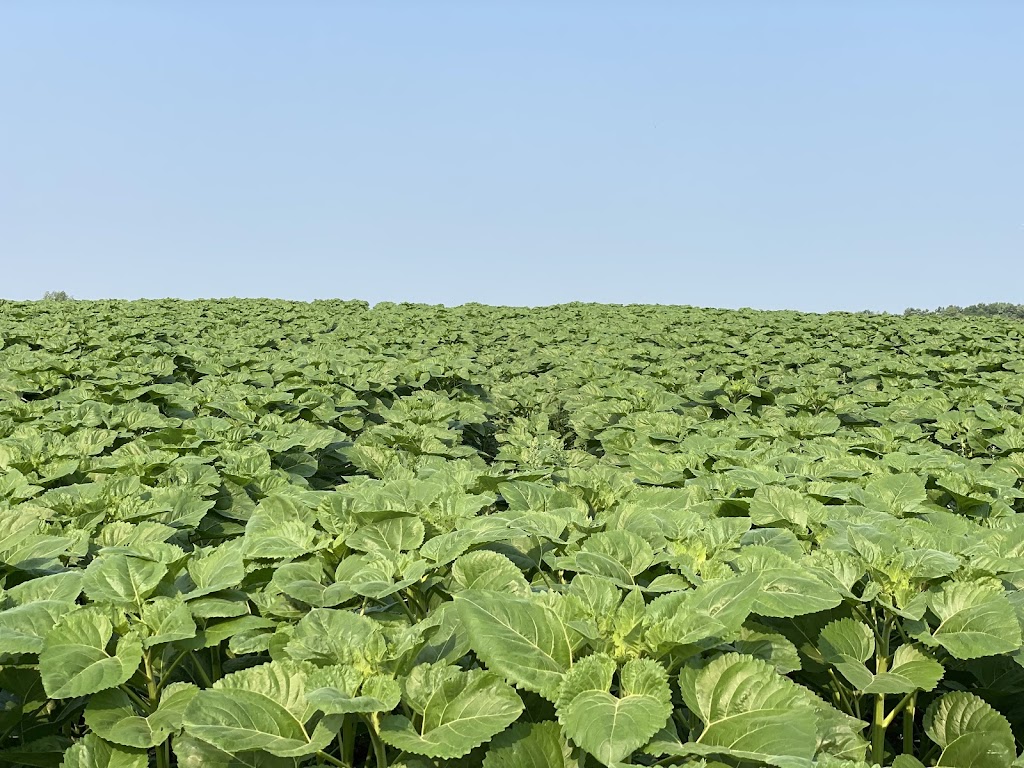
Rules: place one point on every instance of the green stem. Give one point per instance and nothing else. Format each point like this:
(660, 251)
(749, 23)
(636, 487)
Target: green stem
(136, 699)
(413, 621)
(841, 692)
(170, 669)
(879, 722)
(540, 566)
(197, 665)
(904, 702)
(215, 663)
(163, 755)
(379, 752)
(414, 598)
(908, 725)
(348, 740)
(332, 760)
(152, 687)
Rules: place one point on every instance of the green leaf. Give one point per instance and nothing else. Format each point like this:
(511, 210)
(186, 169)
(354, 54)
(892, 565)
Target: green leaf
(976, 620)
(93, 752)
(60, 587)
(899, 495)
(166, 620)
(122, 580)
(786, 592)
(304, 581)
(46, 752)
(395, 534)
(491, 571)
(239, 721)
(717, 609)
(773, 647)
(191, 752)
(112, 716)
(530, 745)
(280, 528)
(75, 662)
(459, 711)
(774, 504)
(846, 644)
(259, 708)
(330, 636)
(518, 638)
(970, 732)
(23, 629)
(607, 726)
(912, 670)
(340, 690)
(749, 710)
(215, 569)
(619, 555)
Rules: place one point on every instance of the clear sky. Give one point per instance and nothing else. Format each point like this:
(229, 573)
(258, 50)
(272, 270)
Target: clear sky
(806, 155)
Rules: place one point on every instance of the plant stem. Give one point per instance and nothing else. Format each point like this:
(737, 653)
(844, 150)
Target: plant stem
(215, 663)
(152, 689)
(908, 725)
(348, 740)
(408, 613)
(327, 758)
(163, 755)
(840, 692)
(379, 752)
(138, 700)
(904, 702)
(173, 666)
(879, 722)
(197, 665)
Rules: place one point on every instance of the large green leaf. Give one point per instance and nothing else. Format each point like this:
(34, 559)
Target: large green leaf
(608, 726)
(191, 752)
(518, 638)
(530, 745)
(280, 528)
(93, 752)
(329, 636)
(749, 710)
(122, 580)
(340, 689)
(788, 592)
(970, 732)
(75, 661)
(717, 609)
(112, 716)
(774, 504)
(976, 620)
(23, 629)
(215, 569)
(458, 711)
(847, 644)
(260, 708)
(165, 620)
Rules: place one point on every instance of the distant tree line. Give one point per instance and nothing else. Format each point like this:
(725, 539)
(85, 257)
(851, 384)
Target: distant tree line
(996, 309)
(57, 296)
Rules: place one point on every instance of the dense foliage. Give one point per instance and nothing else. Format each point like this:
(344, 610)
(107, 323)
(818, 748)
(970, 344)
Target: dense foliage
(997, 309)
(259, 533)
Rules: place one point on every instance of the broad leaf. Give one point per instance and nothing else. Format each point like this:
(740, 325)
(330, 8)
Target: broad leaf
(518, 638)
(459, 711)
(75, 660)
(970, 732)
(608, 726)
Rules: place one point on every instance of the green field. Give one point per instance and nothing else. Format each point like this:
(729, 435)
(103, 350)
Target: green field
(262, 533)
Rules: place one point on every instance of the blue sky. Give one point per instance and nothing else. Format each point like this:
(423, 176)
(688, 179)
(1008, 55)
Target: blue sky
(804, 155)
